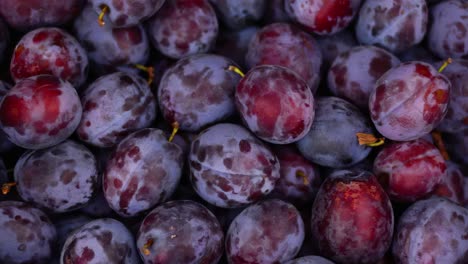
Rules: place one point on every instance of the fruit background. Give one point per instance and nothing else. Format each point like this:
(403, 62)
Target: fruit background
(234, 131)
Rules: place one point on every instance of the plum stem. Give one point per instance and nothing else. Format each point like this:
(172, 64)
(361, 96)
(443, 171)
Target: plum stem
(439, 142)
(147, 69)
(147, 246)
(369, 140)
(445, 64)
(104, 10)
(236, 70)
(175, 128)
(301, 174)
(6, 187)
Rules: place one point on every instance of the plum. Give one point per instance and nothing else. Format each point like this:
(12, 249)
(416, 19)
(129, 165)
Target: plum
(50, 51)
(332, 140)
(409, 170)
(114, 106)
(197, 91)
(98, 206)
(40, 111)
(432, 231)
(393, 24)
(447, 35)
(61, 178)
(230, 167)
(110, 47)
(104, 240)
(270, 231)
(240, 13)
(180, 232)
(409, 101)
(286, 45)
(275, 104)
(30, 14)
(143, 171)
(125, 13)
(352, 218)
(457, 146)
(354, 72)
(26, 234)
(183, 27)
(321, 16)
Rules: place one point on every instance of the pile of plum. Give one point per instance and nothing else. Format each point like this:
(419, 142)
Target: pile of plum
(233, 131)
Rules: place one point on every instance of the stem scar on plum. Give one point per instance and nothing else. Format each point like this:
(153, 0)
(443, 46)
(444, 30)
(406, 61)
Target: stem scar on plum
(369, 140)
(301, 174)
(147, 246)
(149, 70)
(104, 9)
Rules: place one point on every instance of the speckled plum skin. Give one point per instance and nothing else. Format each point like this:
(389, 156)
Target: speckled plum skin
(275, 103)
(61, 178)
(432, 231)
(229, 167)
(50, 51)
(40, 112)
(409, 170)
(103, 240)
(271, 231)
(332, 140)
(109, 46)
(447, 35)
(143, 171)
(352, 218)
(126, 13)
(183, 27)
(393, 24)
(292, 186)
(286, 45)
(4, 39)
(239, 14)
(456, 119)
(310, 260)
(27, 15)
(452, 184)
(353, 73)
(320, 16)
(409, 101)
(26, 234)
(183, 232)
(114, 106)
(197, 91)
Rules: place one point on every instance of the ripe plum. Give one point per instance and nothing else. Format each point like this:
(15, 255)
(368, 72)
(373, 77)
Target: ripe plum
(229, 167)
(40, 112)
(352, 218)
